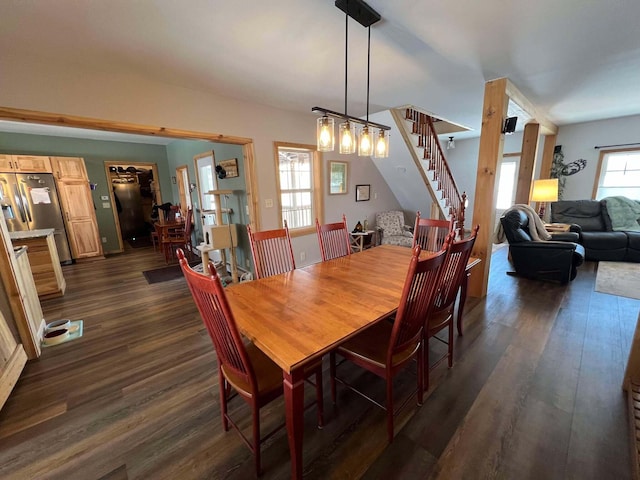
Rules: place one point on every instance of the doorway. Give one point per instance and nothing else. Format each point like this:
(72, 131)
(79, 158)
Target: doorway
(134, 191)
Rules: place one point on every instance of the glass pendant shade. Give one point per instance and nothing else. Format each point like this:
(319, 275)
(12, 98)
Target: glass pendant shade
(382, 145)
(365, 145)
(326, 138)
(347, 138)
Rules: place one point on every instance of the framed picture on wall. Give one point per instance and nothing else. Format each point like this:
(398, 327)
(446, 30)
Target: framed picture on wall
(230, 166)
(363, 193)
(338, 177)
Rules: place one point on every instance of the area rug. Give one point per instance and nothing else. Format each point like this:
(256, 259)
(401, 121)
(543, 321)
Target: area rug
(619, 278)
(165, 274)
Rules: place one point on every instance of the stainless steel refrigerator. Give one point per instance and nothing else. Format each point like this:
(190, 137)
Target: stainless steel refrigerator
(30, 202)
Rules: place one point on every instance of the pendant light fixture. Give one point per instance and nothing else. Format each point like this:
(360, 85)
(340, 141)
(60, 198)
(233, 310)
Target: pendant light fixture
(451, 144)
(368, 143)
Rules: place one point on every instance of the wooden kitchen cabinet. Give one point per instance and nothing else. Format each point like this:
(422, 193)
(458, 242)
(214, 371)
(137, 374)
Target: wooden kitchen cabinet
(25, 164)
(77, 205)
(44, 262)
(69, 168)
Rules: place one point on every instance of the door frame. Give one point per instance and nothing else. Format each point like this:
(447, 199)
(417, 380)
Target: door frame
(112, 199)
(58, 119)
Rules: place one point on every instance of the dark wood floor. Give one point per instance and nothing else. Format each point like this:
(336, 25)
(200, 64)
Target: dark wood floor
(534, 392)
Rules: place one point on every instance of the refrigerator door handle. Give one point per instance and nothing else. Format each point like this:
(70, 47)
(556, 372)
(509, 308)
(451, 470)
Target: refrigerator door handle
(25, 203)
(20, 205)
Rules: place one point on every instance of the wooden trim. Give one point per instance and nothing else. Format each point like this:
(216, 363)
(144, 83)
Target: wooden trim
(546, 126)
(252, 185)
(494, 111)
(11, 372)
(527, 162)
(32, 116)
(547, 156)
(317, 185)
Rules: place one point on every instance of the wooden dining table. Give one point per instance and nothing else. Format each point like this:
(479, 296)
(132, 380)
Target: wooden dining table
(299, 316)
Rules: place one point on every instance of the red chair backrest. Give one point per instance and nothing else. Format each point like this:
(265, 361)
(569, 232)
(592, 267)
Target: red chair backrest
(209, 296)
(272, 251)
(430, 233)
(188, 226)
(333, 239)
(455, 264)
(416, 301)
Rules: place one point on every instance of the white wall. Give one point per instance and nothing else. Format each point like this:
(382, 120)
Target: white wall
(35, 83)
(578, 140)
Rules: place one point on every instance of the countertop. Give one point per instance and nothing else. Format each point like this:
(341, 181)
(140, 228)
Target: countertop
(43, 232)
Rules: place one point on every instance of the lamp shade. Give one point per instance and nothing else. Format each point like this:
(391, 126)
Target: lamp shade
(348, 138)
(365, 145)
(382, 145)
(325, 134)
(545, 190)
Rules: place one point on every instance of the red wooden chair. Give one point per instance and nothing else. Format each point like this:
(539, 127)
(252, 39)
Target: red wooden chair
(387, 347)
(241, 366)
(441, 316)
(178, 235)
(272, 251)
(333, 239)
(430, 233)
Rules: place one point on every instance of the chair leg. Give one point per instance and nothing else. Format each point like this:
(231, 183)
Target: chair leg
(425, 364)
(319, 396)
(332, 373)
(450, 346)
(420, 374)
(223, 400)
(256, 435)
(389, 406)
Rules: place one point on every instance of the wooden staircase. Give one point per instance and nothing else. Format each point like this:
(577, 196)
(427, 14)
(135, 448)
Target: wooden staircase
(429, 157)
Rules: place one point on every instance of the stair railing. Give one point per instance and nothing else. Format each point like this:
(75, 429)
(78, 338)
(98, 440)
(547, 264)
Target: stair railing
(432, 152)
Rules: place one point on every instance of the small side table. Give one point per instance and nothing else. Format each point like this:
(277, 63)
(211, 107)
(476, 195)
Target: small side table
(557, 227)
(357, 240)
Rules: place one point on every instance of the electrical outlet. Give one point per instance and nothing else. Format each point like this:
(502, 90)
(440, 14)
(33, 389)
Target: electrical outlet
(268, 203)
(106, 205)
(104, 239)
(303, 256)
(375, 195)
(246, 209)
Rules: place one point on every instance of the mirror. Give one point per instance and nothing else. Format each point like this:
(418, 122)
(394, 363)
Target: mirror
(338, 177)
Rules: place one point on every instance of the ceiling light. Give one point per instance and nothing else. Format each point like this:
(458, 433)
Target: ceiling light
(348, 136)
(326, 140)
(451, 143)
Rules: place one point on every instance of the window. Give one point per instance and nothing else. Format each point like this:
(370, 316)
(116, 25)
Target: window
(619, 174)
(506, 184)
(299, 184)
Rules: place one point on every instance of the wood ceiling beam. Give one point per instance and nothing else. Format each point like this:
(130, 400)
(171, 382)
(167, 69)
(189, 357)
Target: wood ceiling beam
(546, 126)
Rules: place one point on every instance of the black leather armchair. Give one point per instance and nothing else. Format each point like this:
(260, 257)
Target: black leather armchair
(556, 260)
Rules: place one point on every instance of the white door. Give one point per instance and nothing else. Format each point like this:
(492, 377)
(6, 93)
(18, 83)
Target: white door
(207, 181)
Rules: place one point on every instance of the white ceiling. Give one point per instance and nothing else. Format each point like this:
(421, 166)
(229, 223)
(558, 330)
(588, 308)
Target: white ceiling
(577, 60)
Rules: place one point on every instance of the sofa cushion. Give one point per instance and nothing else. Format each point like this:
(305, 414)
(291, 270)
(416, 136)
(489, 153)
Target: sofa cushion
(586, 213)
(633, 249)
(607, 246)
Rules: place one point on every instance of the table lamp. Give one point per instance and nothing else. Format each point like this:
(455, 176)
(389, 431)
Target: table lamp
(544, 191)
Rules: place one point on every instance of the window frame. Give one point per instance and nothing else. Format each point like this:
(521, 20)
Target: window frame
(317, 206)
(600, 171)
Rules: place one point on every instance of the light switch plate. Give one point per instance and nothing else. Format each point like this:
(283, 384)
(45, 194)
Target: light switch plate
(104, 198)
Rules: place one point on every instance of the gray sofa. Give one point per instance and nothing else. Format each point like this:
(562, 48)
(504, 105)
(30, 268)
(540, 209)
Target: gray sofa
(590, 219)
